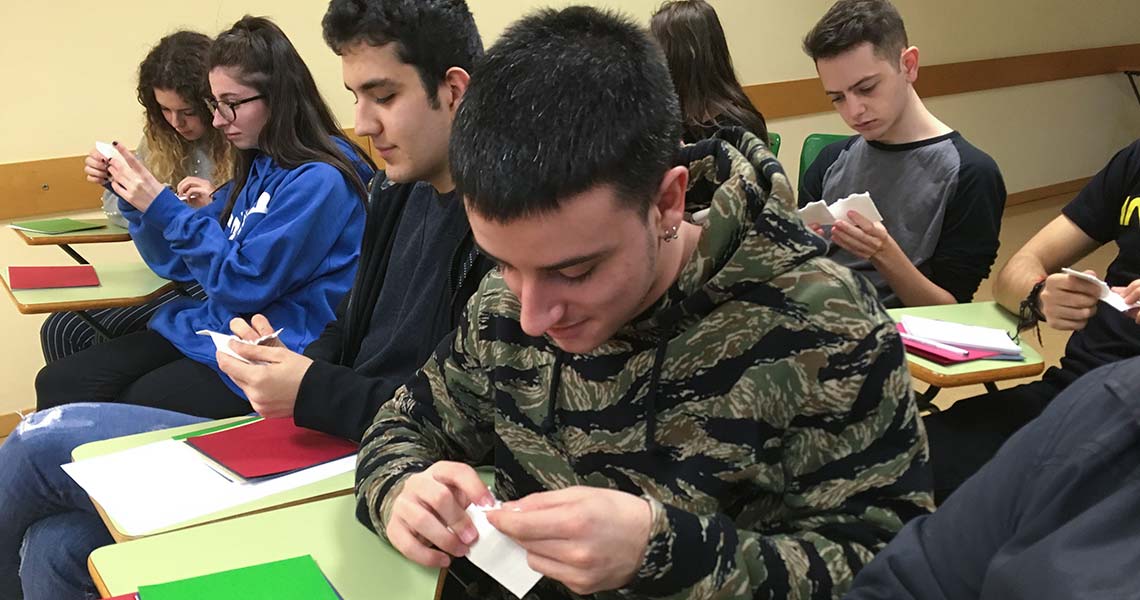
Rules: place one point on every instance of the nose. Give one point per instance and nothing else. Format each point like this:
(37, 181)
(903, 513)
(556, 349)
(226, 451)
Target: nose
(538, 310)
(218, 122)
(367, 122)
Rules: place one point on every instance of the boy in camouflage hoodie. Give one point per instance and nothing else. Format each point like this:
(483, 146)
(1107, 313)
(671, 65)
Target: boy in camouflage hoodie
(676, 408)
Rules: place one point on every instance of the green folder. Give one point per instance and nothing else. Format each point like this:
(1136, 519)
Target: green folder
(291, 579)
(55, 226)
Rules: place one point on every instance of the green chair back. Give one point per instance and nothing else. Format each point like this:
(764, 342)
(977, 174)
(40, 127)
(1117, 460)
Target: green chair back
(774, 142)
(813, 145)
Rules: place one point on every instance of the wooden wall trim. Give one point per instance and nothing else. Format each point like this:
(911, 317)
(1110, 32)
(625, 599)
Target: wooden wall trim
(805, 96)
(55, 185)
(1048, 191)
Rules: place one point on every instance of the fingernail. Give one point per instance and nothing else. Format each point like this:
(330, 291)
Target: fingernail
(114, 143)
(486, 500)
(467, 535)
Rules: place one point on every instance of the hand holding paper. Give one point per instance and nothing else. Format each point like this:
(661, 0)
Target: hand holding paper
(819, 211)
(428, 522)
(222, 342)
(498, 555)
(589, 539)
(1105, 293)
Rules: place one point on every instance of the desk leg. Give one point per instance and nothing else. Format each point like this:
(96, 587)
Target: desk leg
(991, 387)
(100, 331)
(1132, 80)
(924, 400)
(73, 254)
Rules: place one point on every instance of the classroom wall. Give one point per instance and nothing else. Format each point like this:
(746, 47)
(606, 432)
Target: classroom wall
(71, 81)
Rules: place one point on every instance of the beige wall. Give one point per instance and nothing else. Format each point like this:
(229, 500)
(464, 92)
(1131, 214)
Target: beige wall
(70, 69)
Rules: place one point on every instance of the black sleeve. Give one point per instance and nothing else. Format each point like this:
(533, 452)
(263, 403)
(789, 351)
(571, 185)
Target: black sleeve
(337, 400)
(1096, 210)
(328, 346)
(811, 185)
(968, 243)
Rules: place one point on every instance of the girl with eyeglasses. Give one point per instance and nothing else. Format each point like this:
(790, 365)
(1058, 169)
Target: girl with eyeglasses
(178, 147)
(281, 239)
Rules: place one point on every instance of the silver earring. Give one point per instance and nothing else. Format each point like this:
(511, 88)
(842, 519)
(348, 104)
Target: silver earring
(671, 234)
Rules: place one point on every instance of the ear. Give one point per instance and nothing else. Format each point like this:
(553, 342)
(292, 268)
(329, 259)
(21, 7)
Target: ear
(453, 87)
(909, 63)
(670, 204)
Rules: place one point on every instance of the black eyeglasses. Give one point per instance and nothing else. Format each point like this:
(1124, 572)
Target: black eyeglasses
(228, 110)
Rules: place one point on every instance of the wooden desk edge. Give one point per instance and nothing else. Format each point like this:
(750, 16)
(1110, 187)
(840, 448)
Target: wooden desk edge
(97, 578)
(102, 238)
(925, 375)
(52, 307)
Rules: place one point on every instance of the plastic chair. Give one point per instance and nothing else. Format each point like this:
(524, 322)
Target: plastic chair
(813, 145)
(774, 142)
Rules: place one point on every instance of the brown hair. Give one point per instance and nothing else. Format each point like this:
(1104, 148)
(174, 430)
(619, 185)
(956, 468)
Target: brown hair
(690, 33)
(849, 23)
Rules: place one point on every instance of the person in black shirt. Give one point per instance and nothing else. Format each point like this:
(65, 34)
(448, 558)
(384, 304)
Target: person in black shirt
(1107, 210)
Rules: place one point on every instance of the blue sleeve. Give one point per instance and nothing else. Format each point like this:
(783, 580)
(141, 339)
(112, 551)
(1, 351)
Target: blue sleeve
(306, 216)
(152, 246)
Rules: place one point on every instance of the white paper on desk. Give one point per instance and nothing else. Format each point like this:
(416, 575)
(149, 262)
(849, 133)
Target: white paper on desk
(158, 485)
(498, 555)
(958, 334)
(819, 212)
(222, 343)
(1107, 296)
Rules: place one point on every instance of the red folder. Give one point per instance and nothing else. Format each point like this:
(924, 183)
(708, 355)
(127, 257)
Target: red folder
(270, 447)
(126, 597)
(35, 278)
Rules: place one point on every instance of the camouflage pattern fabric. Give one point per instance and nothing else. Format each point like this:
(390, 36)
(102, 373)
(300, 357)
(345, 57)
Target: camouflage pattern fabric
(763, 408)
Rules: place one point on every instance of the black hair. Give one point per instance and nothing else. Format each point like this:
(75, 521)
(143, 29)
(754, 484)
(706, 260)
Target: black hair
(564, 101)
(431, 35)
(849, 23)
(301, 127)
(711, 96)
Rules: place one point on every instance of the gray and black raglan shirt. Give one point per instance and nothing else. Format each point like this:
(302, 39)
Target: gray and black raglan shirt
(941, 199)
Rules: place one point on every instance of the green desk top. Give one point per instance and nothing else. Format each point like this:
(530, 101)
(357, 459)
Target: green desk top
(356, 562)
(338, 485)
(985, 314)
(109, 232)
(127, 284)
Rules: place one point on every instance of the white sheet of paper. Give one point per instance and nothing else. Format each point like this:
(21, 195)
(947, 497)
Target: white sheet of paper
(222, 343)
(860, 203)
(498, 555)
(960, 335)
(1108, 296)
(108, 151)
(159, 485)
(817, 212)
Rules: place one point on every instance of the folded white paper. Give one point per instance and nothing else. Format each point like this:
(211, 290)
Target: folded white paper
(162, 484)
(819, 212)
(108, 151)
(1107, 296)
(498, 555)
(222, 343)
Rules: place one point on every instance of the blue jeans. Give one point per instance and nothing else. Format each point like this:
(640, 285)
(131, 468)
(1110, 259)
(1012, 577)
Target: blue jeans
(48, 525)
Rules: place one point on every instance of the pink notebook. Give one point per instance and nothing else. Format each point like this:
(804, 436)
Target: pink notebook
(270, 447)
(940, 356)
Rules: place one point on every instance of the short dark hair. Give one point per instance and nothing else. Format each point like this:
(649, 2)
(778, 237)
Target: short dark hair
(431, 35)
(849, 23)
(565, 100)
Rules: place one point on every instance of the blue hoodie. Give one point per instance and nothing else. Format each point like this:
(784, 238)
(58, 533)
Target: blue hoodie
(289, 252)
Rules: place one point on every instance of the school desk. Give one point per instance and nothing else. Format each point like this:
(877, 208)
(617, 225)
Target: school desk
(338, 485)
(985, 372)
(1132, 73)
(355, 561)
(109, 232)
(128, 284)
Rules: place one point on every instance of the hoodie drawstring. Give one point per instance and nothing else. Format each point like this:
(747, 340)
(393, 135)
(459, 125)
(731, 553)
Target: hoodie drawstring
(555, 383)
(651, 398)
(651, 444)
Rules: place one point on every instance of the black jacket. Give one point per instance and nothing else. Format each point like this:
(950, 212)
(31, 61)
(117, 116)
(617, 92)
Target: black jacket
(334, 397)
